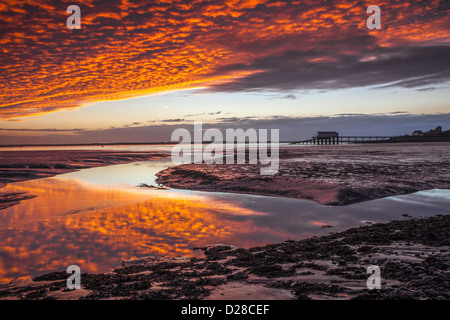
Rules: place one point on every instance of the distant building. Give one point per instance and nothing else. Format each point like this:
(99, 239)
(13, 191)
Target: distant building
(327, 134)
(326, 137)
(431, 133)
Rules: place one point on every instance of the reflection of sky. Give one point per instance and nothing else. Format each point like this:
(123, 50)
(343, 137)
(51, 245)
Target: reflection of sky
(80, 218)
(132, 174)
(299, 216)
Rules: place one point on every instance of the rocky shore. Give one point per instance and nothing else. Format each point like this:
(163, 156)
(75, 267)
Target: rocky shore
(413, 256)
(330, 175)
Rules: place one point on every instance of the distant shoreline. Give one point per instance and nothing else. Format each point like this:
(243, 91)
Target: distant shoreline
(105, 144)
(417, 139)
(399, 139)
(406, 139)
(83, 144)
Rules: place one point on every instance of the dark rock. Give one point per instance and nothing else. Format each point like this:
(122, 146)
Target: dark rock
(431, 293)
(58, 275)
(238, 276)
(271, 271)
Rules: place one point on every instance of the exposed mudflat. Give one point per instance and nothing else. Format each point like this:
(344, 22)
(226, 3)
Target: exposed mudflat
(331, 175)
(8, 199)
(27, 165)
(413, 256)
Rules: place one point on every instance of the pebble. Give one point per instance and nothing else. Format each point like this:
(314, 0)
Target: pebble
(431, 292)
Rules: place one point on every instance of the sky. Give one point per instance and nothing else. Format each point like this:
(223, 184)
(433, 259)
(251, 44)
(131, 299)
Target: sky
(138, 70)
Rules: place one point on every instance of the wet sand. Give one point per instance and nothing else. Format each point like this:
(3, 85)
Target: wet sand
(413, 256)
(28, 165)
(329, 175)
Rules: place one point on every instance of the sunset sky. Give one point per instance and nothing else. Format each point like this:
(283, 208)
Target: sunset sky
(137, 70)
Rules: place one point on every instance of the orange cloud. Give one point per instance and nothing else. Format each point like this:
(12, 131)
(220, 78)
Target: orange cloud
(136, 48)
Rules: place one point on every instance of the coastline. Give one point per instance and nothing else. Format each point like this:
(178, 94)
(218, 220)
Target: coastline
(16, 166)
(330, 175)
(413, 256)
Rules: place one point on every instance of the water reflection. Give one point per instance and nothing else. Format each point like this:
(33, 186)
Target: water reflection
(94, 218)
(70, 222)
(132, 174)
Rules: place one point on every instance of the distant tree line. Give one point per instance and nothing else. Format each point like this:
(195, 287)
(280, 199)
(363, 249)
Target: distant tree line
(432, 133)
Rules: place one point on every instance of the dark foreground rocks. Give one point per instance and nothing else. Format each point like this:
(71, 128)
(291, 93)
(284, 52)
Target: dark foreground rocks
(330, 175)
(413, 256)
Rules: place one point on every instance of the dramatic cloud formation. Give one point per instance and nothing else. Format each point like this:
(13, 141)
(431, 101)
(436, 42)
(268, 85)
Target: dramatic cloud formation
(132, 47)
(405, 67)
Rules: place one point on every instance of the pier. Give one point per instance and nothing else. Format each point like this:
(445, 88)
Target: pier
(333, 138)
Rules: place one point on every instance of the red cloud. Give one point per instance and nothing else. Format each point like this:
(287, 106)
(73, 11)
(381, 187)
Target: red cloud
(138, 47)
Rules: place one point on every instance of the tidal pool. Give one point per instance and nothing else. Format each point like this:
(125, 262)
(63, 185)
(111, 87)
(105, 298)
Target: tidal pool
(96, 217)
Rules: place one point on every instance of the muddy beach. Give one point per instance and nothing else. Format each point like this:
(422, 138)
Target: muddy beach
(413, 256)
(329, 175)
(18, 166)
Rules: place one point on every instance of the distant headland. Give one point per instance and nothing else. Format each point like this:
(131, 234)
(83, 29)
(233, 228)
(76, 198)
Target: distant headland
(432, 135)
(333, 137)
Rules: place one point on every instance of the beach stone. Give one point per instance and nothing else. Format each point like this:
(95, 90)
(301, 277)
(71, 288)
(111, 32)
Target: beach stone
(407, 295)
(431, 293)
(237, 276)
